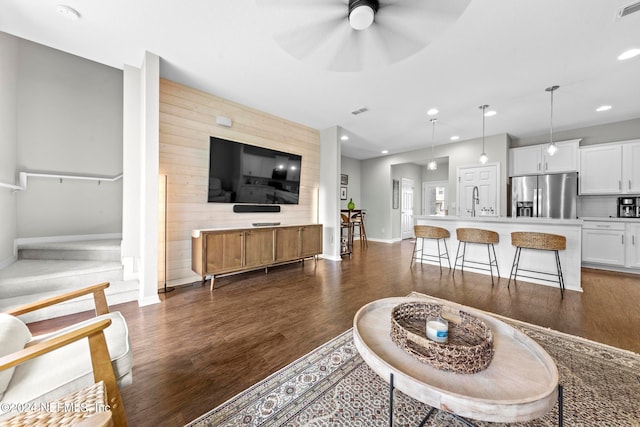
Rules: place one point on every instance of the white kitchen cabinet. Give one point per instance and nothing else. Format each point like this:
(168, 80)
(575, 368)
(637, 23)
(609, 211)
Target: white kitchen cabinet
(533, 159)
(525, 160)
(631, 167)
(601, 169)
(603, 243)
(632, 243)
(610, 168)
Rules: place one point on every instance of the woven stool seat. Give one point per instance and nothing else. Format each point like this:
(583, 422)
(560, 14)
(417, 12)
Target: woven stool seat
(538, 241)
(476, 235)
(480, 236)
(543, 241)
(429, 232)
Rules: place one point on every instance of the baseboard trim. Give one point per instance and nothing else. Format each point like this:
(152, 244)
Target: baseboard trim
(373, 239)
(7, 262)
(142, 302)
(72, 238)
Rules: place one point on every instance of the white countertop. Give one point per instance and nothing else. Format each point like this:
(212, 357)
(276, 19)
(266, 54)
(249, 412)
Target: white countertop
(502, 219)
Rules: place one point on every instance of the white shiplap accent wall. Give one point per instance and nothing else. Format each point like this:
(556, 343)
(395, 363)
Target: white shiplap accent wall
(187, 120)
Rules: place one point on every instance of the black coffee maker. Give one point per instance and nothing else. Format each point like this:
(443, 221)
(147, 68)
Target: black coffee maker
(629, 207)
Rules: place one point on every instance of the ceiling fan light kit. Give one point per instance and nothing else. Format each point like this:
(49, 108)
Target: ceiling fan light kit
(362, 13)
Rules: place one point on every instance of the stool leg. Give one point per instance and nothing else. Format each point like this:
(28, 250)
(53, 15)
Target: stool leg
(464, 251)
(363, 230)
(422, 254)
(490, 263)
(513, 266)
(560, 276)
(495, 259)
(413, 255)
(439, 256)
(447, 253)
(455, 264)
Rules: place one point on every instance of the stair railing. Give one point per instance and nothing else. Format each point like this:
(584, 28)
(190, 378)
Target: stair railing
(22, 185)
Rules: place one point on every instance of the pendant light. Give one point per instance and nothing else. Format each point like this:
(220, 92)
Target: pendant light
(483, 156)
(552, 148)
(433, 165)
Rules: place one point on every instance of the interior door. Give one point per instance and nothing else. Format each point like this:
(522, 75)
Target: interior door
(406, 214)
(485, 178)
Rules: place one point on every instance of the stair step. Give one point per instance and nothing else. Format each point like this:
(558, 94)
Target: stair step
(46, 269)
(97, 250)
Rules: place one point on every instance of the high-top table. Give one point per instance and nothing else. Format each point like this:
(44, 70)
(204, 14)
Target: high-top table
(520, 383)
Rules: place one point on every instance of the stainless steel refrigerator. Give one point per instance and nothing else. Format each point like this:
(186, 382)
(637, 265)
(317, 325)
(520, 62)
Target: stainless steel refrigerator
(545, 196)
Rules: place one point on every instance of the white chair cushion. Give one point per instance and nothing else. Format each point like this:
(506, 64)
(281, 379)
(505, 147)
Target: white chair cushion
(68, 369)
(14, 334)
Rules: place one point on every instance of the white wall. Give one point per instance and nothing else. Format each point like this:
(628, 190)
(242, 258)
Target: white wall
(69, 121)
(376, 178)
(351, 167)
(8, 141)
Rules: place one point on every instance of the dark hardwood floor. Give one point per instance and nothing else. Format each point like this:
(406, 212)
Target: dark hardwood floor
(199, 348)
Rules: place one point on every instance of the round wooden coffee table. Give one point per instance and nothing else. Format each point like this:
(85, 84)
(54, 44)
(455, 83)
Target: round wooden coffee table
(520, 383)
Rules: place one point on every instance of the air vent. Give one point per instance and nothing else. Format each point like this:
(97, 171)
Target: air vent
(629, 9)
(360, 111)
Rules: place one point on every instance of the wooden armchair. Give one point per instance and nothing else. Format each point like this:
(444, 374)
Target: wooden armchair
(97, 334)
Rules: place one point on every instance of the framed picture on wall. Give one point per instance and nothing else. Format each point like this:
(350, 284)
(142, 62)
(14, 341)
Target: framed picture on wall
(344, 179)
(343, 193)
(396, 194)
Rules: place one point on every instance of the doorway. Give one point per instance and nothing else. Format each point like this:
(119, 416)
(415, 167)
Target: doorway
(434, 198)
(406, 212)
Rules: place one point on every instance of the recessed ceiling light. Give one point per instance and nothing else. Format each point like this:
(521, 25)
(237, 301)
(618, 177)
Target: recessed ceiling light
(344, 138)
(629, 54)
(68, 12)
(385, 151)
(603, 108)
(432, 112)
(490, 113)
(454, 138)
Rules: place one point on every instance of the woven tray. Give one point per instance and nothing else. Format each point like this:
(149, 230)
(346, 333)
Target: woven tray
(470, 343)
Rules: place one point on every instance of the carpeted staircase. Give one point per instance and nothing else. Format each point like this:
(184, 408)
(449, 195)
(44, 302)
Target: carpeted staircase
(47, 269)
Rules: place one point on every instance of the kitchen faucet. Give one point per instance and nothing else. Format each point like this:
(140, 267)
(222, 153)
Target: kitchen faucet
(475, 199)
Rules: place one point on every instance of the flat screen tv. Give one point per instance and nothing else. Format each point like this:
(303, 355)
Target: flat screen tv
(243, 173)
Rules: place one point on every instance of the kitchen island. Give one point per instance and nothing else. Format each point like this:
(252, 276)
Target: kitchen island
(505, 251)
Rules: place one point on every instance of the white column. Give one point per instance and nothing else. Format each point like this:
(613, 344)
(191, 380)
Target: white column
(149, 170)
(329, 209)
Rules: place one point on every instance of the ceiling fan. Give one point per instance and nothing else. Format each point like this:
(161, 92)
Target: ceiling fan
(354, 35)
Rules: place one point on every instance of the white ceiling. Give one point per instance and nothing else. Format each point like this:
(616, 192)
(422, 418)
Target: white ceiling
(499, 52)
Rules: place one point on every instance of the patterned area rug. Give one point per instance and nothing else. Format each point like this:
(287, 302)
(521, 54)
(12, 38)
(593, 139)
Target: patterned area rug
(333, 386)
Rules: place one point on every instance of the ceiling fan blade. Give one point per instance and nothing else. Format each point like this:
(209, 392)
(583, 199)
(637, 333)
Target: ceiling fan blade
(301, 42)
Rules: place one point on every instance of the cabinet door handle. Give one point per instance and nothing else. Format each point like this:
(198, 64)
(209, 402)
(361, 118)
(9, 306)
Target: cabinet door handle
(633, 239)
(629, 184)
(546, 166)
(619, 185)
(623, 239)
(539, 165)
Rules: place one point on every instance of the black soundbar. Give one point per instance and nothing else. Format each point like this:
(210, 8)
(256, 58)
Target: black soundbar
(255, 208)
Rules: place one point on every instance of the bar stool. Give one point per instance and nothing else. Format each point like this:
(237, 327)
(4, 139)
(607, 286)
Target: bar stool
(357, 219)
(428, 232)
(346, 225)
(539, 241)
(477, 235)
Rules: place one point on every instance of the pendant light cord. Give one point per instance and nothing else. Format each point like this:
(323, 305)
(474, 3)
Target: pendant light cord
(551, 118)
(433, 135)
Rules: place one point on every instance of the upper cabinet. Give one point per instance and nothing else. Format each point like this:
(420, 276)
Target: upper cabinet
(534, 160)
(609, 168)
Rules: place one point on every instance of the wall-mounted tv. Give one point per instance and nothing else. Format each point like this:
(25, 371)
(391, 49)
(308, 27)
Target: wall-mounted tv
(243, 173)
